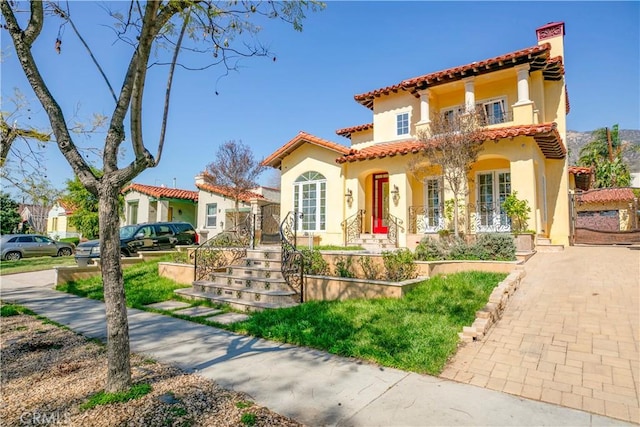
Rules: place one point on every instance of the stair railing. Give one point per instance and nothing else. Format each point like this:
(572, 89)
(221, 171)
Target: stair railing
(223, 249)
(292, 265)
(394, 227)
(352, 226)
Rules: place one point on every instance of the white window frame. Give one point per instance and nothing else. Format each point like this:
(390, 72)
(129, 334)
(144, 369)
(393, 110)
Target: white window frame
(403, 129)
(499, 220)
(214, 217)
(484, 103)
(314, 218)
(424, 225)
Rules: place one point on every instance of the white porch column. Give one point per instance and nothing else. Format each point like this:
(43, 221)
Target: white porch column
(523, 84)
(162, 214)
(425, 112)
(469, 95)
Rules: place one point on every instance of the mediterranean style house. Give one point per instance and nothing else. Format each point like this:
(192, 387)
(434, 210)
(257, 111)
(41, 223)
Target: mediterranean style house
(58, 226)
(369, 187)
(150, 203)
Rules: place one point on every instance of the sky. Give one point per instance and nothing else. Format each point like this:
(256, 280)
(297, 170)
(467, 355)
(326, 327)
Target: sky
(346, 49)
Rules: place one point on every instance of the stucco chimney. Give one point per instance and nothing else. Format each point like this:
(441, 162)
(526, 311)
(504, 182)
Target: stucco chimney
(552, 33)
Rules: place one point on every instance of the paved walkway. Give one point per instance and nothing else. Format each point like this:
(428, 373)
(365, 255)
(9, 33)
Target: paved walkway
(310, 386)
(570, 335)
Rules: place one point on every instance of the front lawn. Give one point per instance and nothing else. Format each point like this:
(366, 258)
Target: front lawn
(143, 285)
(25, 265)
(416, 333)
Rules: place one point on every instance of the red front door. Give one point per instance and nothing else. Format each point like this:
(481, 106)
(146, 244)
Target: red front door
(380, 202)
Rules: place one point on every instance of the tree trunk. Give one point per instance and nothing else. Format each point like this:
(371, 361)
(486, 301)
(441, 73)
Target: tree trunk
(455, 215)
(119, 369)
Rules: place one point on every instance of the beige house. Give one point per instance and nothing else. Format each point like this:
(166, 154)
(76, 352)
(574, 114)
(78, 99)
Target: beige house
(216, 206)
(58, 226)
(148, 203)
(367, 187)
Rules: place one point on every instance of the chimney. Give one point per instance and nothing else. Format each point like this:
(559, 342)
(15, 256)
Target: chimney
(552, 33)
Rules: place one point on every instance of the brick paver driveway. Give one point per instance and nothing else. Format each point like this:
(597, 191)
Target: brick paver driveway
(570, 334)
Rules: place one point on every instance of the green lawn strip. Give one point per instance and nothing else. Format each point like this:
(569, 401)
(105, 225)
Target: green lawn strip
(143, 285)
(103, 398)
(9, 309)
(416, 333)
(26, 265)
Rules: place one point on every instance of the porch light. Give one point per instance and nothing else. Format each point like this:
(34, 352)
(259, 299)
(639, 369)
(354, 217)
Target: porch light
(349, 196)
(395, 194)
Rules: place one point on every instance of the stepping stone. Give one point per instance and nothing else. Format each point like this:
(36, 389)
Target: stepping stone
(198, 311)
(169, 305)
(228, 318)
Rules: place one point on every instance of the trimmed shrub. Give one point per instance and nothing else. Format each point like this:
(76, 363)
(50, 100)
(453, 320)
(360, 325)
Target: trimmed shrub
(498, 246)
(314, 263)
(399, 265)
(344, 267)
(370, 269)
(429, 250)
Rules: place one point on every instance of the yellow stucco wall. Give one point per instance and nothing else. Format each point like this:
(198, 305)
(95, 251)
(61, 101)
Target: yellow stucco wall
(310, 157)
(386, 109)
(362, 139)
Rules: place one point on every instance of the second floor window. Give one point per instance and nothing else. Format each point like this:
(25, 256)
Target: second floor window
(494, 111)
(402, 121)
(212, 215)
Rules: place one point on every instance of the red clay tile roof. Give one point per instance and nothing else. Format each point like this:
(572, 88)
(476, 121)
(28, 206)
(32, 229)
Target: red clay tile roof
(346, 132)
(379, 151)
(546, 136)
(275, 159)
(578, 170)
(162, 192)
(227, 192)
(605, 195)
(537, 56)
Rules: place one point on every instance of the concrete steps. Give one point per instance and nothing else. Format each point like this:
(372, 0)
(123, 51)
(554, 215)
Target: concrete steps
(374, 242)
(254, 283)
(543, 244)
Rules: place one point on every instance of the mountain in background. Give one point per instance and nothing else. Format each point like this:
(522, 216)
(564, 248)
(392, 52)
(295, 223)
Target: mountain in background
(576, 140)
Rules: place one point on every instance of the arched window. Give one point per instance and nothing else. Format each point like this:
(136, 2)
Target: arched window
(310, 198)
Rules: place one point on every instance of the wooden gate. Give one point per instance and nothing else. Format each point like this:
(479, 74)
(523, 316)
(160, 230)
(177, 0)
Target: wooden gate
(270, 224)
(606, 216)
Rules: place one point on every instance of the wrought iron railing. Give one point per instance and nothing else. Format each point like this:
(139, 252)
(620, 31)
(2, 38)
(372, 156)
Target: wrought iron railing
(394, 227)
(352, 226)
(292, 265)
(490, 218)
(495, 118)
(223, 249)
(426, 219)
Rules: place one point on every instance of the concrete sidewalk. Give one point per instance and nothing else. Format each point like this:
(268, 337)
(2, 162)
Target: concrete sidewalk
(310, 386)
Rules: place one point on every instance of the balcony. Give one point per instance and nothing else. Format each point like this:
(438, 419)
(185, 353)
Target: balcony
(425, 219)
(495, 118)
(490, 218)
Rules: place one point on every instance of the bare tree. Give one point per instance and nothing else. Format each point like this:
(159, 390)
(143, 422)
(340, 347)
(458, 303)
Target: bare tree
(215, 30)
(237, 170)
(453, 143)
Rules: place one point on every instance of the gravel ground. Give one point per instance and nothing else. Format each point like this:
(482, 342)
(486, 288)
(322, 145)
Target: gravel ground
(47, 372)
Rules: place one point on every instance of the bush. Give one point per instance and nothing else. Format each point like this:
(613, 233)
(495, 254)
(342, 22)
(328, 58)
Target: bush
(370, 269)
(429, 250)
(498, 246)
(314, 263)
(399, 265)
(73, 240)
(344, 267)
(460, 250)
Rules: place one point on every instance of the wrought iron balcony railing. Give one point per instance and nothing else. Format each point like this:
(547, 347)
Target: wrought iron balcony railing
(490, 217)
(426, 219)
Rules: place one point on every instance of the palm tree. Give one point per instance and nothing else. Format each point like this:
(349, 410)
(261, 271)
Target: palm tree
(604, 154)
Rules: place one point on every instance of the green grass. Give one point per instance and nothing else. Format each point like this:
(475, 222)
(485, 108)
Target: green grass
(416, 333)
(8, 310)
(143, 285)
(104, 398)
(248, 419)
(34, 264)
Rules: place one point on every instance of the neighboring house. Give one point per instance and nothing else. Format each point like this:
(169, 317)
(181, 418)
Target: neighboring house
(34, 218)
(216, 207)
(148, 203)
(524, 99)
(606, 209)
(58, 226)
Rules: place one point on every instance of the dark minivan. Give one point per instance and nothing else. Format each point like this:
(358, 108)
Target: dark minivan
(142, 237)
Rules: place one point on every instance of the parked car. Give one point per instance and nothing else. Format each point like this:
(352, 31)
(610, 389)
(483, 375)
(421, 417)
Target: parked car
(142, 237)
(16, 246)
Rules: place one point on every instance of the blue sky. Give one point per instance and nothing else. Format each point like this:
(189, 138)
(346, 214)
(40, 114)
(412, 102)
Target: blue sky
(346, 49)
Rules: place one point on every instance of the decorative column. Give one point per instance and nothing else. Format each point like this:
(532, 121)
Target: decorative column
(469, 95)
(425, 113)
(523, 84)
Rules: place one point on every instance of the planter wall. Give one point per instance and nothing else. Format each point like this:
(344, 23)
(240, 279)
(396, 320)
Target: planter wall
(325, 288)
(181, 273)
